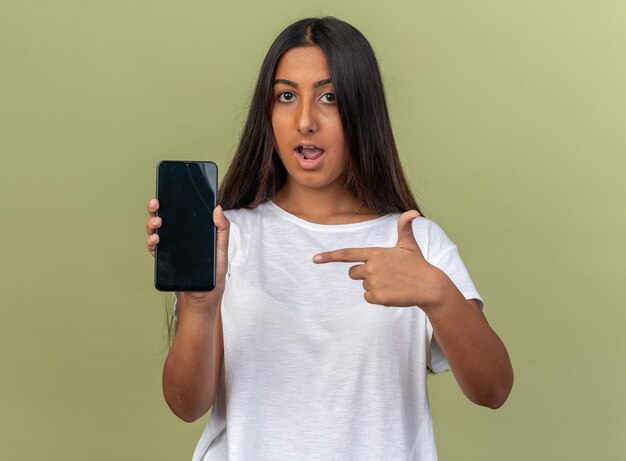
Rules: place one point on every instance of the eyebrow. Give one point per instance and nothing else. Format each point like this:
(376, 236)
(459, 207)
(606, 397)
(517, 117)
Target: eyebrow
(293, 84)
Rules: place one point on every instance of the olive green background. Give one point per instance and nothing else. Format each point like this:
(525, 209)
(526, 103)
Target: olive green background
(510, 118)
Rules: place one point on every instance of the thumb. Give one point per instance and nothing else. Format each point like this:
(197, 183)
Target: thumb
(406, 239)
(223, 231)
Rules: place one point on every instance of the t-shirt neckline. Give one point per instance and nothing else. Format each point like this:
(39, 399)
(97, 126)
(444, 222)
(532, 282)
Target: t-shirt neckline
(349, 227)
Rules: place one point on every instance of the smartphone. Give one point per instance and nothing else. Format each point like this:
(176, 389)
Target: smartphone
(185, 255)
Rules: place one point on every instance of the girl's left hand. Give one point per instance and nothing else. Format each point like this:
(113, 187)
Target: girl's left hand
(398, 276)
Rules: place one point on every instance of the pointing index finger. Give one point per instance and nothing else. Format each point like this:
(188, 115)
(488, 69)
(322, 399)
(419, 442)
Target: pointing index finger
(344, 255)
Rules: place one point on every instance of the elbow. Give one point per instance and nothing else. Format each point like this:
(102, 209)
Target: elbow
(496, 395)
(188, 401)
(186, 414)
(491, 392)
(493, 398)
(188, 411)
(495, 401)
(189, 417)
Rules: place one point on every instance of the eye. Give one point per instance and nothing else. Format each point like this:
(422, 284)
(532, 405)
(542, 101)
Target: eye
(328, 97)
(285, 96)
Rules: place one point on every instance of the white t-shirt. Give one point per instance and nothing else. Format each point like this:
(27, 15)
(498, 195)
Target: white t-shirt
(311, 370)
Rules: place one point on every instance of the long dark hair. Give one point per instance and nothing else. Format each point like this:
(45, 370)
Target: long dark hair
(256, 173)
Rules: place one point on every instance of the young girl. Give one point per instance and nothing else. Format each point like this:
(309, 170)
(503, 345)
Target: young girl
(334, 296)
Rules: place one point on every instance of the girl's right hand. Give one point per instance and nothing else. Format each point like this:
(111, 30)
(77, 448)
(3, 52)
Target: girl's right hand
(152, 224)
(201, 300)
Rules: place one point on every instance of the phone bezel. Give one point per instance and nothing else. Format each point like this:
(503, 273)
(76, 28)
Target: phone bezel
(174, 288)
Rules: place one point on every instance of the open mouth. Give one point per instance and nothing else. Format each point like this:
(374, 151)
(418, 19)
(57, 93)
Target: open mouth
(309, 152)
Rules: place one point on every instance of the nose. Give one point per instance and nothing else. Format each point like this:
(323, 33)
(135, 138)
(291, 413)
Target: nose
(307, 122)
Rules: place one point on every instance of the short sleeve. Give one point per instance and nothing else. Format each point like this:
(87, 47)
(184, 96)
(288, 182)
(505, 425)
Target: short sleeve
(442, 253)
(175, 308)
(437, 361)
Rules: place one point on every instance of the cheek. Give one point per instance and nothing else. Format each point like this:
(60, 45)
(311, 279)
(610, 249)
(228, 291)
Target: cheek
(336, 128)
(279, 133)
(339, 139)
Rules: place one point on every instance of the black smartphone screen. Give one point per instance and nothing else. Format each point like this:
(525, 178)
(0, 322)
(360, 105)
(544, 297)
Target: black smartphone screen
(185, 255)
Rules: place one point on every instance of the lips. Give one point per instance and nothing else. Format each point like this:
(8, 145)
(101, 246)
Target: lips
(309, 152)
(310, 157)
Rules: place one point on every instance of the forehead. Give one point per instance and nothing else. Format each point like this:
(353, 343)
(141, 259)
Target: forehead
(303, 64)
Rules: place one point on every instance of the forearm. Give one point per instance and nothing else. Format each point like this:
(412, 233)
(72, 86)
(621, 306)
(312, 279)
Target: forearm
(477, 356)
(191, 373)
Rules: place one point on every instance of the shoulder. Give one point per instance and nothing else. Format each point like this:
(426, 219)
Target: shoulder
(428, 228)
(440, 251)
(242, 217)
(432, 239)
(242, 222)
(247, 222)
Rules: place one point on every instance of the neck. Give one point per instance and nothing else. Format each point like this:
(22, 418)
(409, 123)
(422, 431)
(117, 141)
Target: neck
(322, 206)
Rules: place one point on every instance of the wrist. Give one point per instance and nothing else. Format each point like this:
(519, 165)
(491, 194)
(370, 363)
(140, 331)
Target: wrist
(197, 305)
(442, 294)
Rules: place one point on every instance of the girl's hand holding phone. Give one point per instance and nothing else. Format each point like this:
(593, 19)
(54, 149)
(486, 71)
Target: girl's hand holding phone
(152, 224)
(201, 300)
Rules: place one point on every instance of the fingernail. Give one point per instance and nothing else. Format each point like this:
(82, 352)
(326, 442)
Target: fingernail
(317, 259)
